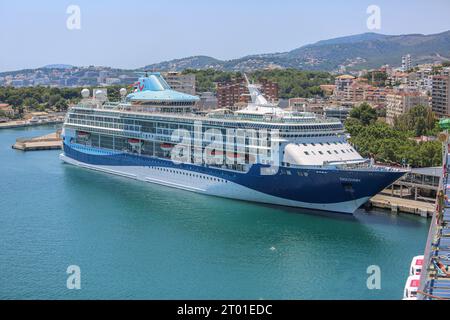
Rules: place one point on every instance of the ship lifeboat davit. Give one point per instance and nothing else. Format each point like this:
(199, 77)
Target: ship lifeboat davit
(83, 134)
(134, 142)
(166, 146)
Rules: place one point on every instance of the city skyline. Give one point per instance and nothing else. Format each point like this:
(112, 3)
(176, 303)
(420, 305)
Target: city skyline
(108, 36)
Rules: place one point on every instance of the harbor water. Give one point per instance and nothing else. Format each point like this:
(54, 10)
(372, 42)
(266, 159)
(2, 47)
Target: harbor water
(134, 240)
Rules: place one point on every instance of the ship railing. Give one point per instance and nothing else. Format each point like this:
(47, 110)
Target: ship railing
(105, 125)
(434, 228)
(274, 119)
(267, 119)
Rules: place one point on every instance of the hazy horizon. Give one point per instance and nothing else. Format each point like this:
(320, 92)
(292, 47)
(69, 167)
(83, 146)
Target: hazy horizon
(120, 35)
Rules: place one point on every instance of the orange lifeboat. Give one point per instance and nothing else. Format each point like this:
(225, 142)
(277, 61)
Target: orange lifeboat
(134, 142)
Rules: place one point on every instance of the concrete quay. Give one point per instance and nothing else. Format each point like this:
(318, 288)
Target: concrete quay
(396, 205)
(51, 141)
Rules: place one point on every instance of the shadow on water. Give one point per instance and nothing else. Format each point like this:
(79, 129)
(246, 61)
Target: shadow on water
(141, 188)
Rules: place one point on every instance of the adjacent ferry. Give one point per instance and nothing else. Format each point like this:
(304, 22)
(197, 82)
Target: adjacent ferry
(299, 159)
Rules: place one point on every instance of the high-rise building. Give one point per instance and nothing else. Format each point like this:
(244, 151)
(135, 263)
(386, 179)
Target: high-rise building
(342, 87)
(441, 93)
(181, 82)
(231, 92)
(269, 89)
(406, 63)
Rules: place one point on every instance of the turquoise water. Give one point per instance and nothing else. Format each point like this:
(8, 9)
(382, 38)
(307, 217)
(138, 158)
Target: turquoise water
(136, 240)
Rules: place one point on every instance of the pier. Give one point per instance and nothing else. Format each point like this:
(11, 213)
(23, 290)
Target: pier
(414, 193)
(51, 141)
(27, 123)
(397, 205)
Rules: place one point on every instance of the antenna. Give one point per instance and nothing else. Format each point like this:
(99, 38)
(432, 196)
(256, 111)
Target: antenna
(246, 78)
(142, 73)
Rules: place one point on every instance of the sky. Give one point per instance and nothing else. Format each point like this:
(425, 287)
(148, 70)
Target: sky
(132, 34)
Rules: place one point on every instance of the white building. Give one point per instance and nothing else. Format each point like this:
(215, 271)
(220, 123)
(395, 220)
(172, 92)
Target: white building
(406, 63)
(421, 80)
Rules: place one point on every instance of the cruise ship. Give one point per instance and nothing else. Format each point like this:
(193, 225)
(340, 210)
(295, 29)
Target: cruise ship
(261, 153)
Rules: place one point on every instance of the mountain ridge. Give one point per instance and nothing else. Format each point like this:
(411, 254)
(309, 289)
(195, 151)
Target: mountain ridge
(354, 52)
(366, 50)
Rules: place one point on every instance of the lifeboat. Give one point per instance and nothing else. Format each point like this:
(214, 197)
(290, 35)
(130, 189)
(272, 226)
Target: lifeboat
(234, 155)
(216, 153)
(416, 266)
(134, 142)
(411, 287)
(166, 146)
(83, 135)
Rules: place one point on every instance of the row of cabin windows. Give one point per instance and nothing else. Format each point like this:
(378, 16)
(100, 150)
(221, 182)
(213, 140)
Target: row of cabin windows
(192, 175)
(325, 143)
(329, 151)
(316, 127)
(308, 135)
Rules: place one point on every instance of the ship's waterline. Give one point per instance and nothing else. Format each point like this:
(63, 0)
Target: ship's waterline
(133, 239)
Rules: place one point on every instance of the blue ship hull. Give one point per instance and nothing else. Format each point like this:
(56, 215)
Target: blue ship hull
(322, 189)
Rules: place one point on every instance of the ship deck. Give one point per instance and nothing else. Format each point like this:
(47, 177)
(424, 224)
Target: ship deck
(435, 277)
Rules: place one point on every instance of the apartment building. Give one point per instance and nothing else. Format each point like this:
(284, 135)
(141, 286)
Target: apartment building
(441, 93)
(406, 62)
(398, 103)
(342, 87)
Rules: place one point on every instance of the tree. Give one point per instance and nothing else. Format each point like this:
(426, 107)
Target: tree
(30, 102)
(61, 105)
(381, 112)
(364, 113)
(420, 119)
(291, 83)
(392, 145)
(420, 127)
(53, 99)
